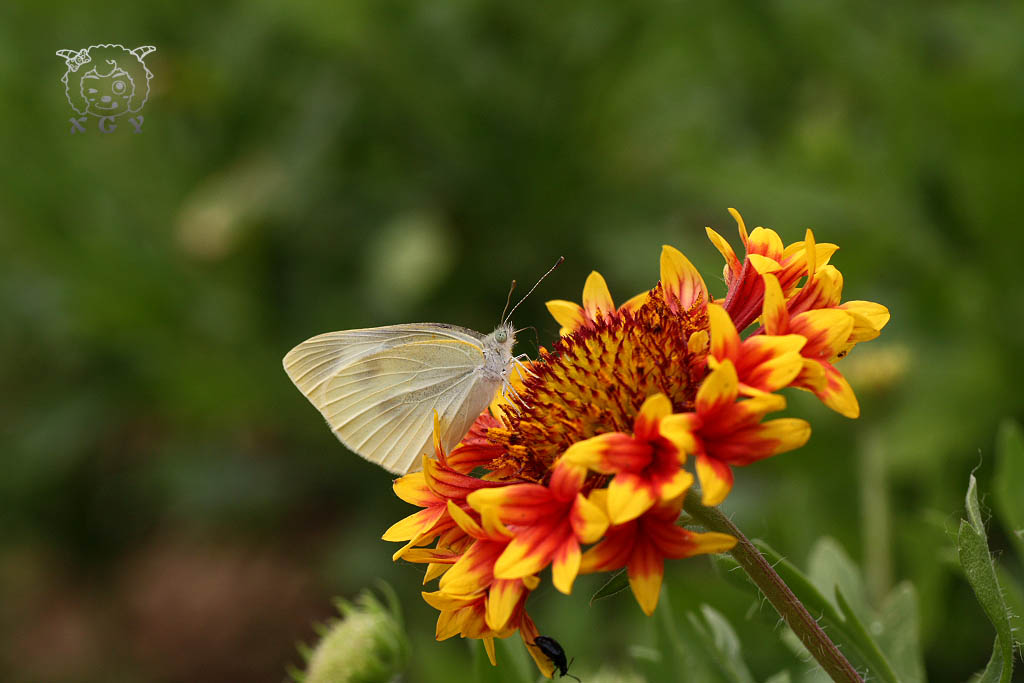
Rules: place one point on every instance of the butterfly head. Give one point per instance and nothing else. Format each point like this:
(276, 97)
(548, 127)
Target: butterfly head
(504, 337)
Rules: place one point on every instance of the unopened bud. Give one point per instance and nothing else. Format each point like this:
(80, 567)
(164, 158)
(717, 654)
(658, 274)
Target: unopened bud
(367, 645)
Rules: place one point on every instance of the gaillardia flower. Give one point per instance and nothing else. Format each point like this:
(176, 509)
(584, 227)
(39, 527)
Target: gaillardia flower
(585, 466)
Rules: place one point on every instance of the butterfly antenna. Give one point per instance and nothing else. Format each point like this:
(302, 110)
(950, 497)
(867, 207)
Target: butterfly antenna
(550, 270)
(508, 299)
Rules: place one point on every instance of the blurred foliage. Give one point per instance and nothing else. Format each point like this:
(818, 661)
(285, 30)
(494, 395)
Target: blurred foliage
(173, 510)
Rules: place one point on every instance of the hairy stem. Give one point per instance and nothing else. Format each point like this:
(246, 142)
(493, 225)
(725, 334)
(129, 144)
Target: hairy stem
(778, 593)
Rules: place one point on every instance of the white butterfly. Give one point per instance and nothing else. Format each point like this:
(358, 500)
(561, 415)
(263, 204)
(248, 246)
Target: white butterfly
(379, 387)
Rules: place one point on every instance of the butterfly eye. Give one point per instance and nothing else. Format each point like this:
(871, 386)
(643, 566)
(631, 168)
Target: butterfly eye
(501, 336)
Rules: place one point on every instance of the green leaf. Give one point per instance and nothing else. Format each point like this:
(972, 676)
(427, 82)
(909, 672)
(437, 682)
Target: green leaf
(829, 567)
(616, 584)
(972, 549)
(720, 644)
(481, 664)
(900, 639)
(862, 640)
(1013, 594)
(682, 640)
(845, 629)
(513, 656)
(781, 677)
(1008, 482)
(993, 672)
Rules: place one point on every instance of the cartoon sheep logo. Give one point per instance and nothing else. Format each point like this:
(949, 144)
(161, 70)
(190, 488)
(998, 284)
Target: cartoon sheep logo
(106, 81)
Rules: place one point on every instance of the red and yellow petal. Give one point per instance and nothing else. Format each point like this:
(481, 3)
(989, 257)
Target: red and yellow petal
(597, 299)
(654, 408)
(775, 315)
(710, 542)
(606, 453)
(837, 393)
(448, 484)
(587, 519)
(565, 565)
(719, 389)
(472, 572)
(566, 481)
(763, 264)
(610, 554)
(464, 521)
(530, 551)
(681, 282)
(415, 524)
(811, 377)
(517, 503)
(725, 340)
(645, 571)
(679, 430)
(826, 331)
(476, 450)
(869, 319)
(824, 290)
(529, 633)
(770, 438)
(431, 556)
(733, 266)
(413, 489)
(769, 363)
(569, 315)
(502, 599)
(715, 480)
(629, 496)
(765, 242)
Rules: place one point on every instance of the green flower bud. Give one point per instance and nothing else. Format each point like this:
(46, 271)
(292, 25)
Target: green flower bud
(367, 645)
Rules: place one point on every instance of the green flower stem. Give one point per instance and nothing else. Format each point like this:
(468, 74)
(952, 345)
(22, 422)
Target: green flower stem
(778, 593)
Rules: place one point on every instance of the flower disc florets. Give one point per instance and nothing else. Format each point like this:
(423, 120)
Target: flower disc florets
(595, 380)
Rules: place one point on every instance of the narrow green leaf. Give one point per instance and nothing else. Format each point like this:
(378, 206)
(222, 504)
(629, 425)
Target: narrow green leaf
(720, 644)
(682, 639)
(972, 549)
(513, 655)
(618, 582)
(862, 640)
(845, 630)
(481, 664)
(828, 566)
(781, 677)
(900, 638)
(993, 672)
(1008, 482)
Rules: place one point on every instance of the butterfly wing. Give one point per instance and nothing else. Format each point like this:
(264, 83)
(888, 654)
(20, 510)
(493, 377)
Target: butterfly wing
(378, 388)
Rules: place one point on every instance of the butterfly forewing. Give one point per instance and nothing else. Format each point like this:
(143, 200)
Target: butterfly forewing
(379, 388)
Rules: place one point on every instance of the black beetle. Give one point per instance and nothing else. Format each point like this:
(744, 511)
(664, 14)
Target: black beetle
(553, 651)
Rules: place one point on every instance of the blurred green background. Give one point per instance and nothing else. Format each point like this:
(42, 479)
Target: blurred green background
(172, 509)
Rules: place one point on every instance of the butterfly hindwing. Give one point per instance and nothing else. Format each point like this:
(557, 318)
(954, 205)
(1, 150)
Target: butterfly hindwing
(378, 388)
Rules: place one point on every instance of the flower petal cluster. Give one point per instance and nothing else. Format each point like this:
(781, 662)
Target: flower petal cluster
(585, 469)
